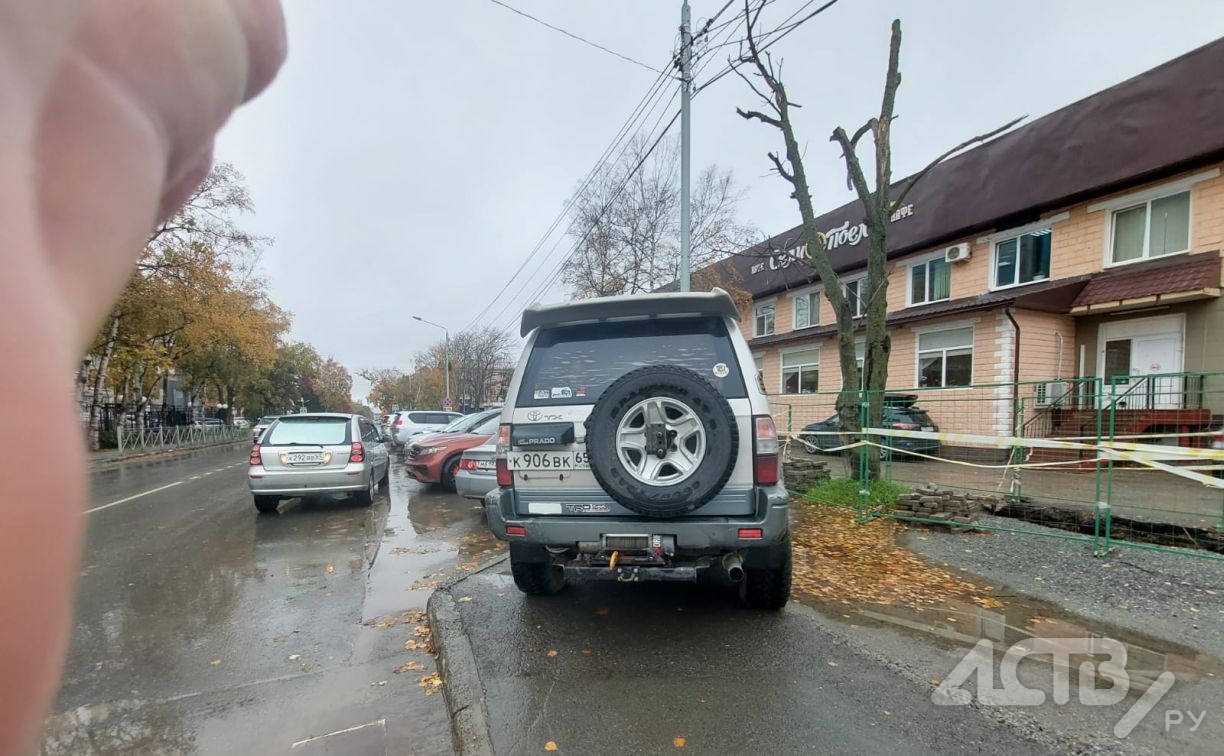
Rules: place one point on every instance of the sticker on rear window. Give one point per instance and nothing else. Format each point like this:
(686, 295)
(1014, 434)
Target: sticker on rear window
(721, 370)
(541, 393)
(561, 392)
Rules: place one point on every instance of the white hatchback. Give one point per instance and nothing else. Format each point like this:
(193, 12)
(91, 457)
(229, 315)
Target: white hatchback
(415, 422)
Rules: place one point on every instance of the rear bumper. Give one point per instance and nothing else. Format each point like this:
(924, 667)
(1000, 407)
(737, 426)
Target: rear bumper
(474, 485)
(352, 477)
(771, 515)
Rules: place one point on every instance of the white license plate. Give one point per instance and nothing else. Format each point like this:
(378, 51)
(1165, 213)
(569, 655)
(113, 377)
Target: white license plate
(562, 460)
(928, 428)
(304, 458)
(486, 464)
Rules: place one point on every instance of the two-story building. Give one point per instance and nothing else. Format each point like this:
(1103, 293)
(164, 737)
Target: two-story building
(1085, 243)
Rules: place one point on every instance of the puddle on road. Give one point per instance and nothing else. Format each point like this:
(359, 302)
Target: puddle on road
(859, 575)
(428, 537)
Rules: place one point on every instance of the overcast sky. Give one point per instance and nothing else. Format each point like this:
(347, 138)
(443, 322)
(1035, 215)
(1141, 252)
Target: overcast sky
(412, 154)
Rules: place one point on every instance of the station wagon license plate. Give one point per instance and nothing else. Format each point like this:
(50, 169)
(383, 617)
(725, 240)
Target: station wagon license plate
(559, 460)
(303, 458)
(486, 464)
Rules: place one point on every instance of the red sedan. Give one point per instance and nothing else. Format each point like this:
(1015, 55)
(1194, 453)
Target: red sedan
(437, 460)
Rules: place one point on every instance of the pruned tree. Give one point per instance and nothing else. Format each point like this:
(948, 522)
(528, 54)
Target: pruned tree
(625, 221)
(764, 78)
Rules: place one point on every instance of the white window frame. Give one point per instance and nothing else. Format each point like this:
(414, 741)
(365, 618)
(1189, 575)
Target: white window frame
(1147, 196)
(759, 370)
(813, 292)
(1045, 224)
(756, 305)
(783, 367)
(918, 352)
(924, 260)
(855, 279)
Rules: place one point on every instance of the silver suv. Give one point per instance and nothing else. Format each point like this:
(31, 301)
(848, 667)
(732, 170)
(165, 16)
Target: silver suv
(636, 444)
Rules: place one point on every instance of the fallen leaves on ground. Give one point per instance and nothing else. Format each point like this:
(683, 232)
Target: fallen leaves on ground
(407, 618)
(550, 746)
(215, 662)
(552, 654)
(331, 568)
(431, 683)
(679, 742)
(466, 567)
(411, 666)
(839, 559)
(404, 550)
(465, 599)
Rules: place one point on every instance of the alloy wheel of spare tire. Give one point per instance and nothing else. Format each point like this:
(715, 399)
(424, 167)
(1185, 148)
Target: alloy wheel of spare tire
(662, 441)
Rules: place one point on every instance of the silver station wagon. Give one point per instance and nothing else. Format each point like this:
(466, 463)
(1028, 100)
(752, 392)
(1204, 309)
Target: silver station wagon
(318, 453)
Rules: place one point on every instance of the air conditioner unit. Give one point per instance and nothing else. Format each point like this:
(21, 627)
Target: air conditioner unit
(1049, 393)
(957, 252)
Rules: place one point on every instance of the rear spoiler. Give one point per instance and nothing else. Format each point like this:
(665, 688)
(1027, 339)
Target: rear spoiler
(716, 303)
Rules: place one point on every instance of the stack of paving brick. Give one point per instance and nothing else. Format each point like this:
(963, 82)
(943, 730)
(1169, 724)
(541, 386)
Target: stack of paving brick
(801, 474)
(952, 507)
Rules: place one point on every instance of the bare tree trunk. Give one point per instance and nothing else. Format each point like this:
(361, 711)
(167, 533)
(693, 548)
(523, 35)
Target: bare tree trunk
(99, 383)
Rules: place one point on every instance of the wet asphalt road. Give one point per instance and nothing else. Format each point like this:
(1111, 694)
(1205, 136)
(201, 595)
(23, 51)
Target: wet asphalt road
(201, 626)
(629, 669)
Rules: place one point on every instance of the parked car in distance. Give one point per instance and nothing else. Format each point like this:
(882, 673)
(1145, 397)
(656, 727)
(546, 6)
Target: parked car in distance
(416, 422)
(465, 424)
(900, 413)
(261, 425)
(209, 423)
(317, 453)
(436, 462)
(242, 422)
(477, 474)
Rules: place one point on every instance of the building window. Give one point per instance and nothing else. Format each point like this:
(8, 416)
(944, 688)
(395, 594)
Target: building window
(801, 371)
(1151, 229)
(1022, 259)
(764, 319)
(930, 281)
(807, 309)
(945, 358)
(856, 293)
(759, 362)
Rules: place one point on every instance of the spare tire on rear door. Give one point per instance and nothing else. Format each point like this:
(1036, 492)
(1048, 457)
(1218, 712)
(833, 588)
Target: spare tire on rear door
(662, 441)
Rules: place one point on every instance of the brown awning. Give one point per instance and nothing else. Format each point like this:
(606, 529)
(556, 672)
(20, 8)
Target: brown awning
(1174, 279)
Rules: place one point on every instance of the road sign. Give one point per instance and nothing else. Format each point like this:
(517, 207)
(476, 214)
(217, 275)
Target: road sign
(446, 403)
(395, 408)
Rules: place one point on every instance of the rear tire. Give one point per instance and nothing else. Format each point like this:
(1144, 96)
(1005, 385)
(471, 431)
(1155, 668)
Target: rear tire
(267, 504)
(768, 587)
(366, 498)
(535, 578)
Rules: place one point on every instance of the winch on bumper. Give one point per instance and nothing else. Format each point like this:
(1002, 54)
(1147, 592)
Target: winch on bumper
(656, 549)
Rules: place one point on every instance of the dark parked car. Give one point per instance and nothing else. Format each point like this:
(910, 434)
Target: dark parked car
(899, 414)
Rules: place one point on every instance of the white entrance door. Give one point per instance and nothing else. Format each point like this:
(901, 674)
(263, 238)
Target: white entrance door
(1138, 352)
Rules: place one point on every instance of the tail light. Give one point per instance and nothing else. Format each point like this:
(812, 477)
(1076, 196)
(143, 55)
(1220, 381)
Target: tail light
(765, 450)
(504, 476)
(399, 421)
(357, 453)
(467, 464)
(256, 459)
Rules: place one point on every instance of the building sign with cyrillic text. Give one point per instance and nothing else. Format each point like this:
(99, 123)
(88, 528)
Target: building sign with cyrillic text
(843, 235)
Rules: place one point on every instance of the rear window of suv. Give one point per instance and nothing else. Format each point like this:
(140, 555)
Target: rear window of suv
(575, 364)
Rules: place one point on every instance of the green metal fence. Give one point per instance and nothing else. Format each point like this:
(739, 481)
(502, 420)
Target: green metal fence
(1122, 462)
(142, 440)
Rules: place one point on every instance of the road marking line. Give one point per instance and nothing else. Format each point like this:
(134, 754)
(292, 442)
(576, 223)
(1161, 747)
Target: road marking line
(136, 496)
(380, 722)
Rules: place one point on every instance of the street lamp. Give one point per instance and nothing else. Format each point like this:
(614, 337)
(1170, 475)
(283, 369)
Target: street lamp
(445, 357)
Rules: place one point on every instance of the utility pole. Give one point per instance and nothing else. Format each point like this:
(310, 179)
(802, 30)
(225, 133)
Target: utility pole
(686, 94)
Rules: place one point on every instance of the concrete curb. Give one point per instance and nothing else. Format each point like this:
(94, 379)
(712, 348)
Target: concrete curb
(464, 693)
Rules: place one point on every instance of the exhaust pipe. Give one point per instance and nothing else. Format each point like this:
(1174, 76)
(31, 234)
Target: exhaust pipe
(734, 566)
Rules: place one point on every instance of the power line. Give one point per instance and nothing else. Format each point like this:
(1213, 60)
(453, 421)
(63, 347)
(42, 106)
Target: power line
(642, 112)
(584, 40)
(781, 31)
(559, 268)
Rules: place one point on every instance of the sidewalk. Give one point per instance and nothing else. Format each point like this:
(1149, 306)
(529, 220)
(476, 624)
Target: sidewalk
(111, 457)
